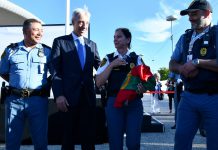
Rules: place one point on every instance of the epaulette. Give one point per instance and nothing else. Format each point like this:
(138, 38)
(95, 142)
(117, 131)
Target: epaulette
(133, 55)
(12, 45)
(214, 27)
(213, 31)
(188, 30)
(188, 34)
(10, 48)
(110, 56)
(46, 46)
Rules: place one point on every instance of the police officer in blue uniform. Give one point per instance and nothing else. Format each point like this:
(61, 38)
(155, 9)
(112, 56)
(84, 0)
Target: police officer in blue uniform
(195, 59)
(25, 66)
(113, 69)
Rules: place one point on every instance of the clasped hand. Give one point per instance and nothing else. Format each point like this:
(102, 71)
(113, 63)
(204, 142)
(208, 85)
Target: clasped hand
(118, 62)
(189, 70)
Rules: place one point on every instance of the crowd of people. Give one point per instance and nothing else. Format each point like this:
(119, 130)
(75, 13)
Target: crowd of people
(25, 66)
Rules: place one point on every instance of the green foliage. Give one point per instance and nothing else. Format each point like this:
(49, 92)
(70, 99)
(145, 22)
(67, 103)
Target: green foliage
(164, 73)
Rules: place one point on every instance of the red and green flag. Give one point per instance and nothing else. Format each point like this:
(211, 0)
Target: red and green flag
(128, 90)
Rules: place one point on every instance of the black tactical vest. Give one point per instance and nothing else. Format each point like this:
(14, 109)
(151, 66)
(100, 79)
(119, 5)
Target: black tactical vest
(118, 74)
(206, 79)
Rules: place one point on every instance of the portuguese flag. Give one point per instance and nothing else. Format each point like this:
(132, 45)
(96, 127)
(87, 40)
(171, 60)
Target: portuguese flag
(128, 90)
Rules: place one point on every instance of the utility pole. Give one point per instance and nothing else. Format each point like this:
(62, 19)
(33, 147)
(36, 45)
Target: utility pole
(67, 23)
(171, 18)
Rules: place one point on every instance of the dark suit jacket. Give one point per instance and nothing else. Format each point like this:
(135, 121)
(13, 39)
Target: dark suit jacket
(69, 79)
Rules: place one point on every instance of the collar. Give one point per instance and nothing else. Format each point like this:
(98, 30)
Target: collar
(119, 55)
(21, 45)
(75, 37)
(195, 34)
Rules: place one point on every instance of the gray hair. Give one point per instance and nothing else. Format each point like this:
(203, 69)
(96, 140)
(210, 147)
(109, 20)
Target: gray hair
(80, 11)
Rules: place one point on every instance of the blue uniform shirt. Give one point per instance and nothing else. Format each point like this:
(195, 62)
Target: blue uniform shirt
(177, 54)
(27, 69)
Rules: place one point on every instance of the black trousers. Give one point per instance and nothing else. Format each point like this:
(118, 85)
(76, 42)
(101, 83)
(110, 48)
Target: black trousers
(79, 126)
(170, 96)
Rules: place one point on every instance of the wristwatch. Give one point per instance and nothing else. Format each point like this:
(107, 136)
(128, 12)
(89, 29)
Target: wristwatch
(195, 62)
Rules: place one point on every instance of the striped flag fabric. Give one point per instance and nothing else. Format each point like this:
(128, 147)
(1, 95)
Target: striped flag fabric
(128, 90)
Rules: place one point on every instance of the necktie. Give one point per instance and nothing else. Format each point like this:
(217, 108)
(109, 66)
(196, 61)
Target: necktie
(80, 53)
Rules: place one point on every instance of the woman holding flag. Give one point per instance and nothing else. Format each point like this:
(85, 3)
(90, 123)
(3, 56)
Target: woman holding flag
(126, 84)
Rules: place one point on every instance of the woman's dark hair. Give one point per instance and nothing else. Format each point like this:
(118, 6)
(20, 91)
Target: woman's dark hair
(126, 33)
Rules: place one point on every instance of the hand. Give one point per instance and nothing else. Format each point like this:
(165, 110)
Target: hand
(141, 89)
(62, 103)
(193, 73)
(118, 62)
(189, 70)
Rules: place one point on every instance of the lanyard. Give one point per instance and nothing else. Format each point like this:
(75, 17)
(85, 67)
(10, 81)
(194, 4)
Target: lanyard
(194, 38)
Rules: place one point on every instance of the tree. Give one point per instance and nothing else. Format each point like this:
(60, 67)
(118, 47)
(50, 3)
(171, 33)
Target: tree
(164, 73)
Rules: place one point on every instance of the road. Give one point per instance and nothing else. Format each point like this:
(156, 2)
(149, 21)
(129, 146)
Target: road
(149, 141)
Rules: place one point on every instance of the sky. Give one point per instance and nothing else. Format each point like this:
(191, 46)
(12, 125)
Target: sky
(146, 20)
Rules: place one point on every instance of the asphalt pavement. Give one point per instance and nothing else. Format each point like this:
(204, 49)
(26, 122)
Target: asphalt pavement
(149, 141)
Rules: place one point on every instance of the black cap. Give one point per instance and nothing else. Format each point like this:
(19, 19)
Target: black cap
(197, 4)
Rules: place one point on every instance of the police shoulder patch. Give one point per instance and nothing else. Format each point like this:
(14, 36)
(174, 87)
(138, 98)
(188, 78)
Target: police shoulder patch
(12, 46)
(103, 62)
(132, 65)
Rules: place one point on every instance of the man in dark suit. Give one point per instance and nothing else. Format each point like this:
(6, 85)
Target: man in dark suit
(73, 59)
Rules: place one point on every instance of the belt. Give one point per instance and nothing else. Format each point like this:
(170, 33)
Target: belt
(27, 92)
(203, 91)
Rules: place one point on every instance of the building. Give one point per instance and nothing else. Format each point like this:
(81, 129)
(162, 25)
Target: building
(11, 14)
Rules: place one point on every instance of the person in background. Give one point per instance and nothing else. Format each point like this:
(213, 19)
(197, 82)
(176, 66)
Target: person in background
(155, 100)
(194, 58)
(170, 88)
(73, 59)
(177, 95)
(25, 66)
(113, 70)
